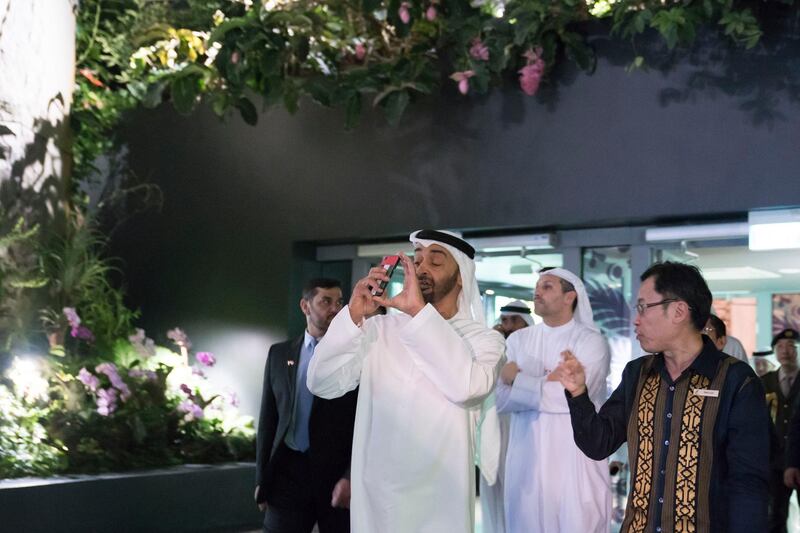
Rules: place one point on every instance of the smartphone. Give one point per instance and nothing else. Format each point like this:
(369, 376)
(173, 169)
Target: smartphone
(388, 263)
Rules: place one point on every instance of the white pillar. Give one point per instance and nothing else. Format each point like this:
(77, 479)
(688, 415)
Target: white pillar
(37, 69)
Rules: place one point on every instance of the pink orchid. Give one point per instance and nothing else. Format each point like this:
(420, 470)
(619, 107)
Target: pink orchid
(478, 50)
(403, 12)
(431, 13)
(72, 317)
(82, 333)
(531, 74)
(361, 52)
(463, 80)
(205, 358)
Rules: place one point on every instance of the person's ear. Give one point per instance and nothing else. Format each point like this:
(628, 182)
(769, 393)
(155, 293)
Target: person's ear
(571, 296)
(721, 342)
(304, 306)
(681, 311)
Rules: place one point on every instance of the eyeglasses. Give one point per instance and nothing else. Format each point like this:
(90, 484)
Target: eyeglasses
(642, 307)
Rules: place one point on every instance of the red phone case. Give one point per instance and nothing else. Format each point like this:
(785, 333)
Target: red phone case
(388, 263)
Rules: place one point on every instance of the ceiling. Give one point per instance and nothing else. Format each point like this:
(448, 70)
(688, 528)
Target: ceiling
(513, 270)
(729, 270)
(737, 270)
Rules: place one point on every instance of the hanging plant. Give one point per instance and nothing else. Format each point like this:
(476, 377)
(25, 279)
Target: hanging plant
(347, 53)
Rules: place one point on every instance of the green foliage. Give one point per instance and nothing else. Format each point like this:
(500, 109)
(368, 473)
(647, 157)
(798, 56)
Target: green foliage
(25, 448)
(66, 416)
(20, 274)
(78, 276)
(338, 53)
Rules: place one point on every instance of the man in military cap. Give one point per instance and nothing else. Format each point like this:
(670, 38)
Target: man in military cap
(782, 393)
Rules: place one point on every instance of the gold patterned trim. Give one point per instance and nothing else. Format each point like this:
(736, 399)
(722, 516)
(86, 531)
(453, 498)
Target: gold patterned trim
(639, 503)
(688, 454)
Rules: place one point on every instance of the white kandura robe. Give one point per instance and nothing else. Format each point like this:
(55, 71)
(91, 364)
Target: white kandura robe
(421, 380)
(550, 485)
(492, 509)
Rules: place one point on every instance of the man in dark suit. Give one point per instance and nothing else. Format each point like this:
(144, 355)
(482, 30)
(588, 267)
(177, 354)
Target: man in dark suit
(304, 442)
(783, 392)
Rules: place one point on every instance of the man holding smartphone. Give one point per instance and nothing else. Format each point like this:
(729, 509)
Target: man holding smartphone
(422, 374)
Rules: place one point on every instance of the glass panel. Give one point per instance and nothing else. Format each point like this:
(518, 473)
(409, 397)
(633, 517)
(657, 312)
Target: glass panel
(607, 276)
(503, 278)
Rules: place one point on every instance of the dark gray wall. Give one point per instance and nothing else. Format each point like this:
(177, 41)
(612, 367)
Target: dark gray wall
(701, 134)
(189, 498)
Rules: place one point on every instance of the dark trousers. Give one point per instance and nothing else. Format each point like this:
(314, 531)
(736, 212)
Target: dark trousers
(779, 495)
(296, 500)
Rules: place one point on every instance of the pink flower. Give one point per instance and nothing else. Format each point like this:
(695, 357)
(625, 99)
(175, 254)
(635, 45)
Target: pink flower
(478, 50)
(463, 80)
(431, 13)
(531, 74)
(361, 52)
(72, 317)
(205, 358)
(233, 399)
(106, 401)
(403, 12)
(82, 333)
(110, 370)
(147, 374)
(145, 346)
(88, 379)
(192, 410)
(180, 338)
(198, 372)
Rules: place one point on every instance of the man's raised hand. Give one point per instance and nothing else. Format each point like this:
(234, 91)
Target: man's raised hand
(362, 302)
(571, 373)
(410, 299)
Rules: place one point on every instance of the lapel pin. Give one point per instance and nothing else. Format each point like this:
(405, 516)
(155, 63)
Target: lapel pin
(290, 363)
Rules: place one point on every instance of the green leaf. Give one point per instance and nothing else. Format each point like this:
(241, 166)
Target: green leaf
(155, 94)
(353, 111)
(219, 33)
(394, 106)
(320, 90)
(219, 104)
(578, 51)
(290, 97)
(247, 110)
(184, 91)
(368, 6)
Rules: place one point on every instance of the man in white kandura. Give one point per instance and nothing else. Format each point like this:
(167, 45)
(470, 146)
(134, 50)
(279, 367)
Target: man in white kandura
(514, 316)
(422, 374)
(550, 485)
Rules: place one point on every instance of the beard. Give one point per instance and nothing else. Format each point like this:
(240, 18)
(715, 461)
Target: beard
(322, 322)
(432, 293)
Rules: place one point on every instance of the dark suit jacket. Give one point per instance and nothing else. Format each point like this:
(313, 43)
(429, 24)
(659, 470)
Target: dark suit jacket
(330, 424)
(781, 410)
